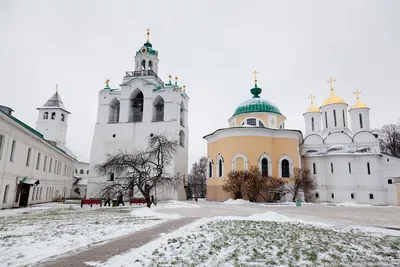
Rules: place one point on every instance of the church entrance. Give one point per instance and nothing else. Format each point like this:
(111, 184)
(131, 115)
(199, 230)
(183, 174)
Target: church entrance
(23, 202)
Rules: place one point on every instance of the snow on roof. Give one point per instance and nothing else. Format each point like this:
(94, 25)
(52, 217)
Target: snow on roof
(339, 148)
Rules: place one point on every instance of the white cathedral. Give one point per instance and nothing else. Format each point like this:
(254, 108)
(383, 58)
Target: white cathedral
(126, 117)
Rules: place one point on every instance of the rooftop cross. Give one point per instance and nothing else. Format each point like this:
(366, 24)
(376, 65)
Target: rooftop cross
(331, 81)
(56, 88)
(255, 76)
(357, 93)
(148, 35)
(311, 97)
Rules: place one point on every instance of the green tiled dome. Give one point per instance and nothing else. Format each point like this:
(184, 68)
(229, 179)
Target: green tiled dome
(256, 104)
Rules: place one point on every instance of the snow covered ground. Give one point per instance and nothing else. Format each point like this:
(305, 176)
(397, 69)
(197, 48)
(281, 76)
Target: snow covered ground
(35, 233)
(268, 239)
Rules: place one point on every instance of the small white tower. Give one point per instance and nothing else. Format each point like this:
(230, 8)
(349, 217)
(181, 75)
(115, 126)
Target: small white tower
(312, 118)
(53, 120)
(334, 111)
(146, 58)
(359, 115)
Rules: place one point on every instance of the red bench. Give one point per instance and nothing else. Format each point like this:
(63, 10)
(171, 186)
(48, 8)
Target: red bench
(138, 201)
(90, 202)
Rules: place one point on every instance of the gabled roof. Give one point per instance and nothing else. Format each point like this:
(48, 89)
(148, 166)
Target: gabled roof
(55, 102)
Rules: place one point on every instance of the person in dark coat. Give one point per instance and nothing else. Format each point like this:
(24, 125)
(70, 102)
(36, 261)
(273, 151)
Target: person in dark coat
(120, 199)
(108, 199)
(152, 200)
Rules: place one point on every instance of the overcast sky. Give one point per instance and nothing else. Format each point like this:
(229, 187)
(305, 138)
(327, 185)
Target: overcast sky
(213, 46)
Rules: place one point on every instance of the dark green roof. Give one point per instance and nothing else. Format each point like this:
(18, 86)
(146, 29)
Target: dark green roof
(150, 49)
(256, 104)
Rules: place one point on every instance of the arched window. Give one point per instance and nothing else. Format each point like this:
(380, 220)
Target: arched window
(264, 167)
(81, 171)
(53, 115)
(368, 168)
(143, 64)
(314, 168)
(349, 167)
(150, 65)
(210, 168)
(220, 166)
(111, 177)
(333, 195)
(285, 168)
(62, 117)
(181, 138)
(352, 195)
(316, 195)
(240, 162)
(334, 118)
(87, 172)
(371, 196)
(361, 121)
(45, 115)
(76, 170)
(158, 109)
(114, 111)
(312, 124)
(254, 122)
(331, 167)
(136, 108)
(390, 181)
(344, 118)
(326, 120)
(261, 124)
(182, 114)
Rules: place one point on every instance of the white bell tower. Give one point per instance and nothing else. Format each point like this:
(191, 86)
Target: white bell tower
(146, 59)
(53, 120)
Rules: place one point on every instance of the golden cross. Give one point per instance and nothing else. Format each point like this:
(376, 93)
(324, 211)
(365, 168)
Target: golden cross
(311, 97)
(148, 33)
(331, 81)
(255, 75)
(107, 81)
(357, 93)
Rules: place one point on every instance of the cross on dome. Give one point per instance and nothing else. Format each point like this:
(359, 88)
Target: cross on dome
(312, 107)
(148, 35)
(358, 103)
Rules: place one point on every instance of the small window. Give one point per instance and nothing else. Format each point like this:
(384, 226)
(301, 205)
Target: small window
(111, 177)
(349, 167)
(44, 163)
(264, 167)
(333, 195)
(326, 120)
(76, 170)
(352, 195)
(334, 118)
(371, 196)
(331, 167)
(316, 195)
(55, 166)
(45, 115)
(13, 145)
(386, 159)
(1, 144)
(5, 193)
(312, 124)
(220, 168)
(181, 138)
(285, 168)
(252, 122)
(390, 181)
(53, 115)
(368, 168)
(51, 162)
(38, 161)
(28, 157)
(344, 118)
(314, 168)
(209, 169)
(87, 172)
(62, 117)
(361, 121)
(81, 171)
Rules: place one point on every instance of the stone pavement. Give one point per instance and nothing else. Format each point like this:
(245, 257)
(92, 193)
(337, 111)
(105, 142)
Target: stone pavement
(118, 246)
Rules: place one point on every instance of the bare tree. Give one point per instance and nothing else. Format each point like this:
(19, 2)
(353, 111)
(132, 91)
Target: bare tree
(254, 184)
(389, 137)
(302, 182)
(197, 178)
(144, 169)
(234, 184)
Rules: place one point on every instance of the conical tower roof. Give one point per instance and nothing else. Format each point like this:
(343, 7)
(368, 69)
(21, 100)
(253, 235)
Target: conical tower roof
(55, 102)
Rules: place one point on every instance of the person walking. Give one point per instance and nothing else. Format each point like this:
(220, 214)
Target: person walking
(108, 200)
(120, 199)
(152, 200)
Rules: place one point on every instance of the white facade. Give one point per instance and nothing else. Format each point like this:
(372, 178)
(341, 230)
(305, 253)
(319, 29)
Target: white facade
(127, 116)
(79, 187)
(32, 169)
(347, 163)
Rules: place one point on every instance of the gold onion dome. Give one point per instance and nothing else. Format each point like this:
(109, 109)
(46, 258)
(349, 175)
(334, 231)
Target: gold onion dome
(358, 104)
(334, 99)
(312, 108)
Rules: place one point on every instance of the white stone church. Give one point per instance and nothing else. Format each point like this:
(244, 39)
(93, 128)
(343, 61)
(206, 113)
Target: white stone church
(126, 117)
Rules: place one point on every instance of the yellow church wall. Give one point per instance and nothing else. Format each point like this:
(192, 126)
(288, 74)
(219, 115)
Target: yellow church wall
(252, 147)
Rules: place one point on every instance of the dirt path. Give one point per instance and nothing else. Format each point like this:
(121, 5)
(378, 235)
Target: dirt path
(118, 246)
